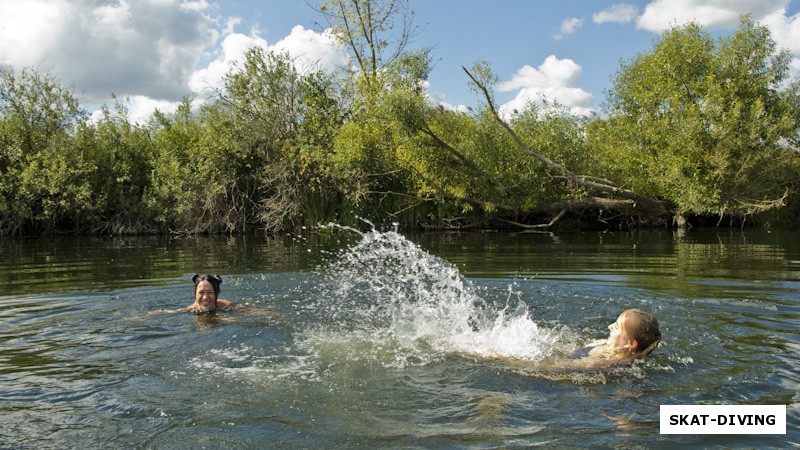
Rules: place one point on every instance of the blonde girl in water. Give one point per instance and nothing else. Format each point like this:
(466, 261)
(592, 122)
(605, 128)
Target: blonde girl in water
(635, 334)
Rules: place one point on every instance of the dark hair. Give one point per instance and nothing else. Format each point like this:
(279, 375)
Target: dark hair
(215, 281)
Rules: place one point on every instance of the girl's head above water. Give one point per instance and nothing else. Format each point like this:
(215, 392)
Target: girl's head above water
(635, 331)
(206, 291)
(214, 280)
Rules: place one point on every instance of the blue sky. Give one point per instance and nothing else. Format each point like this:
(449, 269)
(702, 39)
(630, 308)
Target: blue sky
(154, 52)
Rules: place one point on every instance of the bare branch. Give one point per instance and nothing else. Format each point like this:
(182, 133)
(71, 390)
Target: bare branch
(537, 226)
(589, 182)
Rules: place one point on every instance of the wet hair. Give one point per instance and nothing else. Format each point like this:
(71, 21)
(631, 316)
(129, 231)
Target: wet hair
(642, 327)
(215, 281)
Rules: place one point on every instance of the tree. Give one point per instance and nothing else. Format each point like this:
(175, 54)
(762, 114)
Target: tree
(504, 170)
(376, 32)
(703, 123)
(286, 121)
(256, 157)
(39, 176)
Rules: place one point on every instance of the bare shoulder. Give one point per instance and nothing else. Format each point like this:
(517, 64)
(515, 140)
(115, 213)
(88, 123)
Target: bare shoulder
(224, 303)
(600, 351)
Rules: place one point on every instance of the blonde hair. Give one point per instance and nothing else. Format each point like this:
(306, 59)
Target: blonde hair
(642, 327)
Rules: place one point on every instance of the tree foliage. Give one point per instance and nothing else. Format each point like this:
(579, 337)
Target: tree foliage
(40, 171)
(706, 126)
(703, 123)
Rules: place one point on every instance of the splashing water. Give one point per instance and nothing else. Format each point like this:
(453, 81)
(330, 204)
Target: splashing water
(388, 299)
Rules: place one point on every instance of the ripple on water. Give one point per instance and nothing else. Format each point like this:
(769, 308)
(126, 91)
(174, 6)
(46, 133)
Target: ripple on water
(388, 345)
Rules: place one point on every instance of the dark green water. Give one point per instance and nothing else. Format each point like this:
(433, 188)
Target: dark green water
(376, 340)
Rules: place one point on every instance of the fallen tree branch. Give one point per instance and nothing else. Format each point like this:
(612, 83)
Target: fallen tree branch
(539, 225)
(594, 183)
(594, 203)
(461, 158)
(447, 226)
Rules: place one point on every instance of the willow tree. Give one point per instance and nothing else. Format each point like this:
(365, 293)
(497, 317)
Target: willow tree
(253, 158)
(477, 170)
(704, 123)
(563, 156)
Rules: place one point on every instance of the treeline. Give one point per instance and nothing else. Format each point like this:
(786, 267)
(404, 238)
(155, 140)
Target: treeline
(697, 129)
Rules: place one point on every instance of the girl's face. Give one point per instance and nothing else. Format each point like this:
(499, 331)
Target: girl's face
(617, 338)
(204, 295)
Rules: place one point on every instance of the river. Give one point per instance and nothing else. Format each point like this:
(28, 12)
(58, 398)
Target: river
(384, 340)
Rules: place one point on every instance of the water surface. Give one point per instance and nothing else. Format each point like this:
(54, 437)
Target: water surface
(380, 339)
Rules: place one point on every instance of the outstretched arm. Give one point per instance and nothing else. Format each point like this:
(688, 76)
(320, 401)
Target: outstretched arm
(154, 313)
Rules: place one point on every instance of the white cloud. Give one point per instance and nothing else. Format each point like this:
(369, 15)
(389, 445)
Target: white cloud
(555, 79)
(234, 47)
(139, 109)
(200, 5)
(230, 25)
(307, 48)
(142, 47)
(28, 29)
(794, 67)
(785, 30)
(618, 13)
(440, 100)
(553, 72)
(313, 50)
(568, 26)
(660, 15)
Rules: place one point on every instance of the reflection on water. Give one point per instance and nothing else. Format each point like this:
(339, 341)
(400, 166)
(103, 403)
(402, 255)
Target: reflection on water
(87, 263)
(379, 337)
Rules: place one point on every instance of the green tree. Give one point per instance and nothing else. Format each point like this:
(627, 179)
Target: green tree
(258, 156)
(482, 167)
(123, 157)
(174, 194)
(40, 177)
(286, 122)
(703, 123)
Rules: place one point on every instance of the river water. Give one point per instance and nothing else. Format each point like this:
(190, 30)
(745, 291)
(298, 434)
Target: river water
(385, 340)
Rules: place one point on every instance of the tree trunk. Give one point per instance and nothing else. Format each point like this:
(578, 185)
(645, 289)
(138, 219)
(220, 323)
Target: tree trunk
(635, 201)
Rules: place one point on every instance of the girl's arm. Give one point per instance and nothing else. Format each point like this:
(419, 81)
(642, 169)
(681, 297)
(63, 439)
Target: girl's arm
(224, 303)
(593, 361)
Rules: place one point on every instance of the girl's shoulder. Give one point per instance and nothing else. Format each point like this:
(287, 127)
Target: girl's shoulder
(593, 348)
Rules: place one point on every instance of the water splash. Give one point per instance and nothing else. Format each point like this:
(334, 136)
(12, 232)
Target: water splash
(390, 300)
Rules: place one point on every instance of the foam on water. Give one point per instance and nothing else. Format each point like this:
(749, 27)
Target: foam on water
(386, 298)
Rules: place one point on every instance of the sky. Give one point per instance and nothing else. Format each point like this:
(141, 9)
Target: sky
(153, 53)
